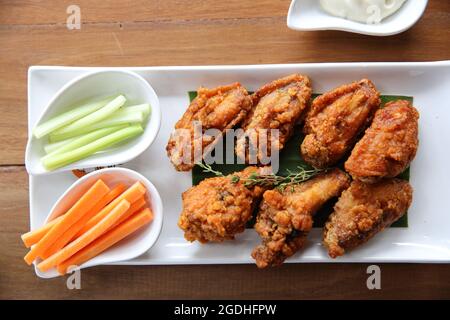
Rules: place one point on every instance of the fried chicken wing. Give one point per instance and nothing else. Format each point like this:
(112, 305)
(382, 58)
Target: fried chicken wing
(335, 120)
(276, 105)
(218, 208)
(362, 211)
(388, 145)
(220, 108)
(285, 218)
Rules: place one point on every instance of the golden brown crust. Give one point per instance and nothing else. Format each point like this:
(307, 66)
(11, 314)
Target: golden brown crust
(362, 211)
(285, 218)
(276, 105)
(219, 108)
(388, 145)
(217, 208)
(335, 120)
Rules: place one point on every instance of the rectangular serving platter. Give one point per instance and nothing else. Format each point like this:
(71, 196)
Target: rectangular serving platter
(425, 240)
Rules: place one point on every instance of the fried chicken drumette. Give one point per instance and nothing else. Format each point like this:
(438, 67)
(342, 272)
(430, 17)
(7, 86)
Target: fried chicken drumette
(335, 120)
(285, 218)
(388, 145)
(218, 208)
(362, 211)
(277, 105)
(220, 108)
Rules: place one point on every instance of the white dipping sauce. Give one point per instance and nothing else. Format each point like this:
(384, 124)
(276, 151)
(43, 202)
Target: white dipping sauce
(366, 11)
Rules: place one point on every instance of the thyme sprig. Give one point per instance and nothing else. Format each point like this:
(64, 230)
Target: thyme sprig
(208, 169)
(281, 182)
(269, 180)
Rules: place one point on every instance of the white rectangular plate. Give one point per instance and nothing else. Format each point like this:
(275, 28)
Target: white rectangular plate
(427, 239)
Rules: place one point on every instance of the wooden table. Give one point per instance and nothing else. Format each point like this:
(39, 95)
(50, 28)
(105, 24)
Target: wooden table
(177, 32)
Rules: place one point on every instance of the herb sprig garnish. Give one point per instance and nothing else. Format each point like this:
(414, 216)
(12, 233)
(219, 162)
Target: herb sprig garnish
(208, 169)
(269, 180)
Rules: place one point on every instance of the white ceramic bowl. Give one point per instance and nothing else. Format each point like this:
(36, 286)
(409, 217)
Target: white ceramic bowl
(307, 15)
(91, 86)
(130, 247)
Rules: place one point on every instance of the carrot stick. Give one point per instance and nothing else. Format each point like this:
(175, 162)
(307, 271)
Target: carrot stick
(86, 238)
(132, 194)
(33, 237)
(107, 240)
(68, 235)
(135, 207)
(87, 201)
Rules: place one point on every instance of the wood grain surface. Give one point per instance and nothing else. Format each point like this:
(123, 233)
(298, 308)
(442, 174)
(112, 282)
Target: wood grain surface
(178, 32)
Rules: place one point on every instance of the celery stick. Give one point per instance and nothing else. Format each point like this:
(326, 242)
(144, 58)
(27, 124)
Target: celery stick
(119, 117)
(144, 108)
(83, 140)
(50, 147)
(67, 117)
(63, 159)
(94, 117)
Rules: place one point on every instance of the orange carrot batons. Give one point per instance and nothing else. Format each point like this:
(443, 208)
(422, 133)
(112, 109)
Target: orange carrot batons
(33, 237)
(95, 193)
(108, 239)
(135, 207)
(81, 242)
(132, 194)
(77, 226)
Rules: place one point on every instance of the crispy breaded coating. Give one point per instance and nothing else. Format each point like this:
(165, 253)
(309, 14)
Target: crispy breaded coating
(285, 218)
(335, 120)
(362, 211)
(388, 145)
(220, 108)
(276, 105)
(218, 208)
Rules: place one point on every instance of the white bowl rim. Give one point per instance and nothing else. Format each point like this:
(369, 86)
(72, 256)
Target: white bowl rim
(155, 112)
(156, 222)
(349, 29)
